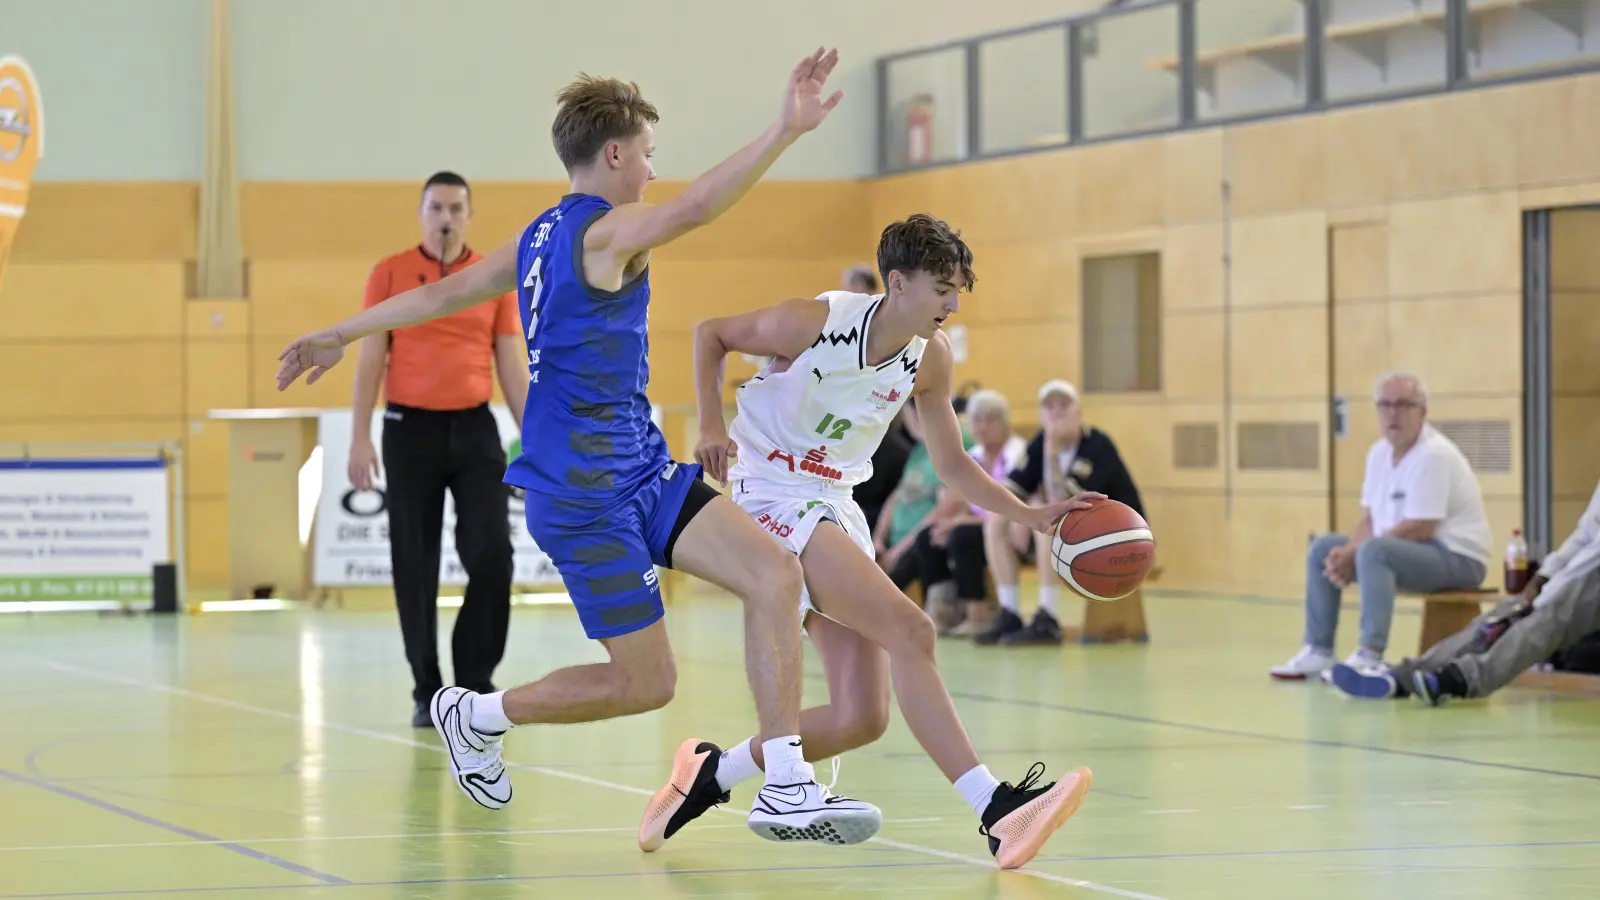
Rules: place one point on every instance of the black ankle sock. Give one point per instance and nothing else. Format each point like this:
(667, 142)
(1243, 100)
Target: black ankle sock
(1451, 682)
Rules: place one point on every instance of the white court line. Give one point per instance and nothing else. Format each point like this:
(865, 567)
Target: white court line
(309, 839)
(558, 773)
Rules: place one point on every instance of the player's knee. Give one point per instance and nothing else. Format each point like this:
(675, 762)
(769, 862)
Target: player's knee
(776, 578)
(867, 721)
(649, 688)
(915, 634)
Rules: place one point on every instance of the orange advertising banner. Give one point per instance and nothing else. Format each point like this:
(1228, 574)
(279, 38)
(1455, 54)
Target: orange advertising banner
(21, 146)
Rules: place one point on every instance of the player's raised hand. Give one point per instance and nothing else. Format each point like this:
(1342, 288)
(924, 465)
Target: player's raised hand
(1045, 517)
(713, 452)
(803, 105)
(317, 352)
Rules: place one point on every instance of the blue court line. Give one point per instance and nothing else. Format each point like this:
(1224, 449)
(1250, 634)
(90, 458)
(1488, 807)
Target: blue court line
(1277, 738)
(69, 793)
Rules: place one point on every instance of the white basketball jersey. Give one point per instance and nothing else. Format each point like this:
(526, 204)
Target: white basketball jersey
(817, 423)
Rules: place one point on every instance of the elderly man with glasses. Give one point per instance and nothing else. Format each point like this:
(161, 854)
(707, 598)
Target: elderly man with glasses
(1423, 529)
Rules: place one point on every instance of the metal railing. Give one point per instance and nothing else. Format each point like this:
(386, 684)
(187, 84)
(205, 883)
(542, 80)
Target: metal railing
(1170, 65)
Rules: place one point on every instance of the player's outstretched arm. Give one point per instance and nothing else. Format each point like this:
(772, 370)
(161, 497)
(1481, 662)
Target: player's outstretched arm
(633, 228)
(320, 351)
(783, 330)
(942, 432)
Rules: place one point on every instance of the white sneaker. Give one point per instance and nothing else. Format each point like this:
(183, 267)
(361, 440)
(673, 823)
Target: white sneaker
(1309, 662)
(810, 812)
(474, 757)
(1362, 660)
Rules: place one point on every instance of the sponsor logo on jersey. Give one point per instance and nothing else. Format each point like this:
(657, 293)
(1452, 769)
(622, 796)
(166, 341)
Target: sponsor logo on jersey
(811, 464)
(774, 526)
(882, 401)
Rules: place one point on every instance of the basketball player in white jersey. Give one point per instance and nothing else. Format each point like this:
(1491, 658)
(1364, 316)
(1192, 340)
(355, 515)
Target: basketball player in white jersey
(806, 427)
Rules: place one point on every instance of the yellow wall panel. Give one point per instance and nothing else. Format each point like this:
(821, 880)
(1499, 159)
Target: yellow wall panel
(1575, 446)
(671, 368)
(94, 380)
(218, 375)
(92, 300)
(1468, 244)
(1280, 260)
(1295, 481)
(1023, 282)
(301, 295)
(1360, 261)
(106, 221)
(1358, 151)
(206, 527)
(1350, 452)
(1192, 164)
(685, 292)
(1361, 341)
(1276, 166)
(1191, 267)
(1194, 539)
(1192, 359)
(1574, 339)
(1120, 186)
(1494, 409)
(1016, 359)
(1460, 344)
(1280, 353)
(217, 318)
(1004, 201)
(86, 431)
(1574, 266)
(1454, 143)
(1138, 426)
(1558, 138)
(1168, 475)
(205, 457)
(333, 389)
(1270, 541)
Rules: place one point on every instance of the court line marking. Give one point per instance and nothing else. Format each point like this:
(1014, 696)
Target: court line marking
(304, 838)
(571, 776)
(123, 811)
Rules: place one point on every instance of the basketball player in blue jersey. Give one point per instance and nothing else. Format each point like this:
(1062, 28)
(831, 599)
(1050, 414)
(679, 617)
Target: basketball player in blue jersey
(603, 496)
(804, 434)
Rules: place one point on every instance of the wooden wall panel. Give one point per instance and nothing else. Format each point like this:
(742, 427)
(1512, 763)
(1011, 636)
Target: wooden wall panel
(1276, 167)
(134, 378)
(1360, 262)
(1269, 542)
(1455, 143)
(1575, 446)
(1468, 244)
(206, 523)
(1280, 353)
(1028, 282)
(1191, 267)
(218, 375)
(1280, 260)
(1120, 186)
(1361, 340)
(1167, 475)
(1192, 357)
(217, 318)
(1016, 359)
(1192, 166)
(107, 221)
(82, 301)
(1557, 134)
(1460, 344)
(205, 455)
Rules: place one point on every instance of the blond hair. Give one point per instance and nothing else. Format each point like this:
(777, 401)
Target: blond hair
(591, 111)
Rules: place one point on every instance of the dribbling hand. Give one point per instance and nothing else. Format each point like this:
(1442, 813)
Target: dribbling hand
(713, 452)
(1044, 518)
(318, 352)
(803, 106)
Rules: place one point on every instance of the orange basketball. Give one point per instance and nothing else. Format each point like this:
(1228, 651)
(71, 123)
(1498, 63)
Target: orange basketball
(1103, 552)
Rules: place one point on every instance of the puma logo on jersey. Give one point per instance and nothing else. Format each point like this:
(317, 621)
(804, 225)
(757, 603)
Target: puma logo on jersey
(811, 464)
(818, 373)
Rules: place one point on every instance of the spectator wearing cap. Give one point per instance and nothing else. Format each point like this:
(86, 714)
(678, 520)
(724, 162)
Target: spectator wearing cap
(1065, 458)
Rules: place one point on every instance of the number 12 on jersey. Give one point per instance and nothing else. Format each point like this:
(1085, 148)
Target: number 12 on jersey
(840, 426)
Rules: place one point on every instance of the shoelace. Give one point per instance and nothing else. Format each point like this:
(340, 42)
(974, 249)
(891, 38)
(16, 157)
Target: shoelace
(1035, 772)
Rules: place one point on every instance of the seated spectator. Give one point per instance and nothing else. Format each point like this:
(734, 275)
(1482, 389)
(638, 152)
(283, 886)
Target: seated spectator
(1558, 608)
(910, 508)
(1423, 528)
(1065, 458)
(951, 549)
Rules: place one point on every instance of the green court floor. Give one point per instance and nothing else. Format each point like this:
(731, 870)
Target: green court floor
(268, 755)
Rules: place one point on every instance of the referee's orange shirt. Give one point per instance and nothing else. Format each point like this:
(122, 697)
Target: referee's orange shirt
(447, 363)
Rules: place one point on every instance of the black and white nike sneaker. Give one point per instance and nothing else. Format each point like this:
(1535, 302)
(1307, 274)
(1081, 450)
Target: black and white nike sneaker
(809, 812)
(474, 756)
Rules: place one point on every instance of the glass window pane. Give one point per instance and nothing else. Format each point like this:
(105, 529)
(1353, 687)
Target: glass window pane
(1250, 56)
(1125, 87)
(1511, 37)
(927, 109)
(1022, 91)
(1374, 47)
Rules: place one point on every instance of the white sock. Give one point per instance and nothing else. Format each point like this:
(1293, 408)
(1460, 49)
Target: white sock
(977, 788)
(737, 764)
(1010, 597)
(786, 762)
(489, 714)
(1047, 601)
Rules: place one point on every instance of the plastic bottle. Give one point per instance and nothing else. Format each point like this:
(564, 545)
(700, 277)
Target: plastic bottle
(1516, 563)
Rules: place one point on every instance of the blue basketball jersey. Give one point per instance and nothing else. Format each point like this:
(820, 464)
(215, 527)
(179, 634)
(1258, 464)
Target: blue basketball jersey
(586, 430)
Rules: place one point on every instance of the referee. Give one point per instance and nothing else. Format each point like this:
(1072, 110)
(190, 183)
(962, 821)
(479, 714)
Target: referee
(438, 435)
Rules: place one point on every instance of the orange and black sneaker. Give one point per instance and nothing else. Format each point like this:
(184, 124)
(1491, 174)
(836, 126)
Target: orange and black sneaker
(692, 790)
(1018, 820)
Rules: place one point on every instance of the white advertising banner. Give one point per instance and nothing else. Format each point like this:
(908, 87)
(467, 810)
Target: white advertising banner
(352, 526)
(82, 529)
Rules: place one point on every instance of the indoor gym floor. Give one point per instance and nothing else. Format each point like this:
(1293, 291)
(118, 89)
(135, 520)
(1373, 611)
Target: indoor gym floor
(267, 755)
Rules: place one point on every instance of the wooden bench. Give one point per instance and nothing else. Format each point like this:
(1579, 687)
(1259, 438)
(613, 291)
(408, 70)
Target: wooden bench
(1114, 621)
(1563, 682)
(1446, 612)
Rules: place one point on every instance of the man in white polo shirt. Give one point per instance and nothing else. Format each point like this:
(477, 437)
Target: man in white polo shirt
(1423, 529)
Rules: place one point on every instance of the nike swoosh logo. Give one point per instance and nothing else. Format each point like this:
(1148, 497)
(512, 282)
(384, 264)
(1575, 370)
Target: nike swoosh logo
(796, 797)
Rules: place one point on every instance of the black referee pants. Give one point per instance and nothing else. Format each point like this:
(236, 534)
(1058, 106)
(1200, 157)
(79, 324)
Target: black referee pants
(425, 453)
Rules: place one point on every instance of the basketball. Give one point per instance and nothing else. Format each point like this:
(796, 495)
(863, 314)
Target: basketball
(1103, 552)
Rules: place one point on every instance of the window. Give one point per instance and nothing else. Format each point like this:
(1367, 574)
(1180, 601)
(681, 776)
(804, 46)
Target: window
(1122, 323)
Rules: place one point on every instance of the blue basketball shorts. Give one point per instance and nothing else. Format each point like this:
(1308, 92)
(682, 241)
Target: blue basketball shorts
(607, 548)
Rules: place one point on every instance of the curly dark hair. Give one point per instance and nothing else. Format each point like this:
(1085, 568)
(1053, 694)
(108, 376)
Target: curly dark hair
(921, 243)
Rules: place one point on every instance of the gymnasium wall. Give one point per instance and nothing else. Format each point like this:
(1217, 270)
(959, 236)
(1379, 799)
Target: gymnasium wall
(1385, 236)
(1574, 376)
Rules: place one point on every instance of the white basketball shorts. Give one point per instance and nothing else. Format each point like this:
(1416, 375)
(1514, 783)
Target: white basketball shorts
(791, 514)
